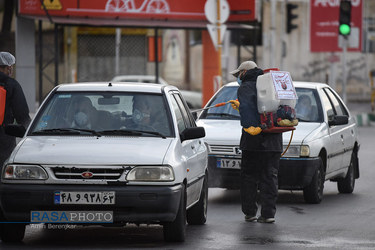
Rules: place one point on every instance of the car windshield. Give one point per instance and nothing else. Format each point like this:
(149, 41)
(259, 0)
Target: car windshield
(225, 112)
(109, 113)
(304, 111)
(308, 108)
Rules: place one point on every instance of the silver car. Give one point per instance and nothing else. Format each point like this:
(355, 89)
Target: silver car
(323, 147)
(112, 153)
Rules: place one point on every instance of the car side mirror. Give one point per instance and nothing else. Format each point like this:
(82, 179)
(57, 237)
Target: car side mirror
(192, 133)
(338, 120)
(15, 130)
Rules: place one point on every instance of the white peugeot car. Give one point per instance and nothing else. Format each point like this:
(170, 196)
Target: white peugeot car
(324, 145)
(107, 153)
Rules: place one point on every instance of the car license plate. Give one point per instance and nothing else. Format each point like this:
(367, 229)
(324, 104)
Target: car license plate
(229, 163)
(103, 198)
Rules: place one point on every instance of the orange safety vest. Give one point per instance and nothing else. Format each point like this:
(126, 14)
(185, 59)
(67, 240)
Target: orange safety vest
(2, 104)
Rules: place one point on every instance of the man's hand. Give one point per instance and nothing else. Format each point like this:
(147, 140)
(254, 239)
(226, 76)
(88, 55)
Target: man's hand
(253, 130)
(235, 104)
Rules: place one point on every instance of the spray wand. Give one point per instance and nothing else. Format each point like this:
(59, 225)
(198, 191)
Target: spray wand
(213, 106)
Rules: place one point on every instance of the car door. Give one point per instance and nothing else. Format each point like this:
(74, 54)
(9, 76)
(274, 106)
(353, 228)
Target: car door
(345, 131)
(192, 150)
(335, 145)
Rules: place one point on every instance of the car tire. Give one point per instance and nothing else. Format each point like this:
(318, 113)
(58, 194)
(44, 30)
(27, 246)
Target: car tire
(175, 231)
(346, 185)
(197, 215)
(313, 193)
(14, 232)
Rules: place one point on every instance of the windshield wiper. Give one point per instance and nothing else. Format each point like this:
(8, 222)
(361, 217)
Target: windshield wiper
(75, 131)
(130, 132)
(120, 132)
(152, 133)
(302, 120)
(224, 115)
(55, 131)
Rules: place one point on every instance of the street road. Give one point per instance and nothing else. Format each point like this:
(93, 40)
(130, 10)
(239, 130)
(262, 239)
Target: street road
(341, 221)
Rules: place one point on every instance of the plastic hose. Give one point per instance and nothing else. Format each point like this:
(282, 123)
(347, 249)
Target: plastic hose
(291, 136)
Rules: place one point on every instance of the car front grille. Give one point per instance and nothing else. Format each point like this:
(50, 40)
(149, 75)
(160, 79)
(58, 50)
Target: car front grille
(88, 173)
(224, 150)
(80, 173)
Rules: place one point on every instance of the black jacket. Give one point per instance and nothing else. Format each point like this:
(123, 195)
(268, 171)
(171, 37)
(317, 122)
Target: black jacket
(247, 96)
(16, 109)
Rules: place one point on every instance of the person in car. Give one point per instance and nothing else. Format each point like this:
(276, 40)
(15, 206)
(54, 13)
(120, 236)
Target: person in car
(140, 118)
(260, 151)
(84, 116)
(141, 111)
(149, 115)
(304, 108)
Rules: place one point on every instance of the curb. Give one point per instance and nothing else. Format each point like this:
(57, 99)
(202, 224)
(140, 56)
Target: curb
(365, 119)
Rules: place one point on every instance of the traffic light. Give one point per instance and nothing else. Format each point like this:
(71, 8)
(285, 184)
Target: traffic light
(345, 17)
(290, 17)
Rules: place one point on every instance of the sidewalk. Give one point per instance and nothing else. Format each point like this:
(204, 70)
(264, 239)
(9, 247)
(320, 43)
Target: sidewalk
(363, 113)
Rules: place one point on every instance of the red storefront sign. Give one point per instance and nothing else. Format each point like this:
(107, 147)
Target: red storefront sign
(155, 10)
(324, 25)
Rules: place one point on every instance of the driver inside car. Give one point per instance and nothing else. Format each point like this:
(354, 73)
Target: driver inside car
(140, 118)
(141, 111)
(84, 114)
(304, 108)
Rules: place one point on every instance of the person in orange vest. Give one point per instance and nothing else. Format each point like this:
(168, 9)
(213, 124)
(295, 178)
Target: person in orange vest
(15, 108)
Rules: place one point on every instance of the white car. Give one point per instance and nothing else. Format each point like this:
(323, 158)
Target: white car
(116, 164)
(192, 98)
(324, 146)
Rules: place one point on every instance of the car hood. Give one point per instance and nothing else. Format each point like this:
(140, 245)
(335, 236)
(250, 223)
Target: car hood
(228, 132)
(91, 150)
(303, 131)
(221, 132)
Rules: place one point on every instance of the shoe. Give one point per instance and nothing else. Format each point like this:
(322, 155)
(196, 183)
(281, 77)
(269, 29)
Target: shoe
(250, 218)
(266, 220)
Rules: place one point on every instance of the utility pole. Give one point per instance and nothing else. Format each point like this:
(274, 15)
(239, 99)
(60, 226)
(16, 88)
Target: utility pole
(283, 27)
(117, 51)
(273, 30)
(344, 74)
(219, 43)
(344, 31)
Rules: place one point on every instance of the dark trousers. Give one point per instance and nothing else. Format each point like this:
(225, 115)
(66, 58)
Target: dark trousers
(259, 171)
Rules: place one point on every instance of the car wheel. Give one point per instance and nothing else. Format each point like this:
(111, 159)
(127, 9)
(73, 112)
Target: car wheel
(175, 231)
(12, 232)
(313, 193)
(197, 215)
(346, 185)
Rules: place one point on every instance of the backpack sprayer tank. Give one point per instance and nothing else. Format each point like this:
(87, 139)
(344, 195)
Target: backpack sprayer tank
(276, 101)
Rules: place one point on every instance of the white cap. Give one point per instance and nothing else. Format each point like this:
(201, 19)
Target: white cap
(7, 59)
(244, 66)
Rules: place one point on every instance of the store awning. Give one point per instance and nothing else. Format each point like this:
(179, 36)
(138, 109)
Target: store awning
(183, 14)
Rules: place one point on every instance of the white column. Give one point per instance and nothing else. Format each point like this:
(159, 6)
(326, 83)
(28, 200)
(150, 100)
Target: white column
(25, 59)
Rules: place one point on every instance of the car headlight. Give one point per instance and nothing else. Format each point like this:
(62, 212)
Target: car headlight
(297, 151)
(150, 173)
(24, 172)
(305, 151)
(293, 151)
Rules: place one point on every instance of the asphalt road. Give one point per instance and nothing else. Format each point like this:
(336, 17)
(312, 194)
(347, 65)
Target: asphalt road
(341, 221)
